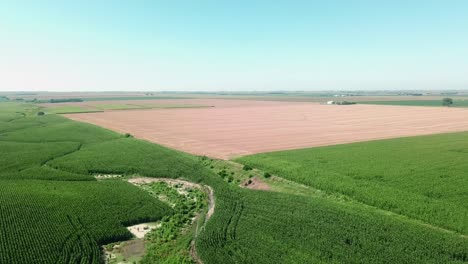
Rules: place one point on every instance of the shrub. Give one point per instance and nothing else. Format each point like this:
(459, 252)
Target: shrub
(40, 113)
(267, 175)
(222, 173)
(247, 168)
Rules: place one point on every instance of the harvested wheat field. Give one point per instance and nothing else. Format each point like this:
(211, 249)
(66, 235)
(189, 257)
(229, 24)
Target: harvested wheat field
(242, 128)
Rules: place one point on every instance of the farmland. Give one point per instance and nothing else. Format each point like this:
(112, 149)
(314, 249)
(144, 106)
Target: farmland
(52, 204)
(239, 127)
(60, 216)
(101, 106)
(70, 109)
(387, 174)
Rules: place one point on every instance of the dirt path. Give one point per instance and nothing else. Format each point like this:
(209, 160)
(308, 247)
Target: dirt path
(209, 213)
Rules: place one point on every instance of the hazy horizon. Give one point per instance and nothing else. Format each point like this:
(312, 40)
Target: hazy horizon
(236, 91)
(239, 46)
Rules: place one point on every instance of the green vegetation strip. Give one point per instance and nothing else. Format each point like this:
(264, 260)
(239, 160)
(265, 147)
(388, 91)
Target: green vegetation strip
(438, 103)
(69, 109)
(168, 242)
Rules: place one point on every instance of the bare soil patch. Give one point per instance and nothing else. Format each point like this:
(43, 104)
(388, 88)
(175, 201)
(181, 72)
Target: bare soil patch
(133, 248)
(255, 184)
(140, 230)
(240, 127)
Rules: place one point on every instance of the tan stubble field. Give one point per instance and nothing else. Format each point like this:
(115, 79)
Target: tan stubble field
(236, 128)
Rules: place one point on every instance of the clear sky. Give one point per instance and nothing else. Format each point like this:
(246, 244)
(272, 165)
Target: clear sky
(137, 45)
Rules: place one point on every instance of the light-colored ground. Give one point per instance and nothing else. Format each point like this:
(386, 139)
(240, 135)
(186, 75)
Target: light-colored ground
(255, 184)
(107, 176)
(140, 230)
(234, 127)
(172, 182)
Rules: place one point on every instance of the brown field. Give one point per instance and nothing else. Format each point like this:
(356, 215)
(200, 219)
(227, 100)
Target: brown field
(234, 128)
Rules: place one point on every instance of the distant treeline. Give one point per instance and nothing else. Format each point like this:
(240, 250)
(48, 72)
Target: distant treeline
(411, 94)
(66, 100)
(343, 103)
(62, 100)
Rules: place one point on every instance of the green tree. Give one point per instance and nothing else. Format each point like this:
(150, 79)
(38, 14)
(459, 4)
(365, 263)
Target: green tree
(447, 101)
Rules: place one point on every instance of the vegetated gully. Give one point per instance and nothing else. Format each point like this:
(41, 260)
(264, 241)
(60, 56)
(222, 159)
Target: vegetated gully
(209, 212)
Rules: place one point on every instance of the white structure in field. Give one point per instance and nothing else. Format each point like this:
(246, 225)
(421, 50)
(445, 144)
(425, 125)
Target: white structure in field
(330, 102)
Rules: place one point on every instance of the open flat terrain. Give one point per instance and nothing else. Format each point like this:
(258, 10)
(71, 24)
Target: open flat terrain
(234, 128)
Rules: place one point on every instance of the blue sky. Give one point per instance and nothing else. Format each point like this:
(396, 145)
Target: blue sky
(233, 45)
